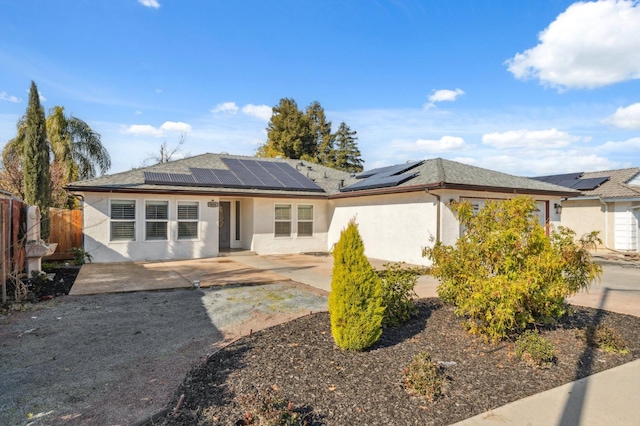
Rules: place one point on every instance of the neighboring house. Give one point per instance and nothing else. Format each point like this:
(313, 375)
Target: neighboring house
(609, 202)
(208, 204)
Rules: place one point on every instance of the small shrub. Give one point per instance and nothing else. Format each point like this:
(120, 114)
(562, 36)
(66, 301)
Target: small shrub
(535, 349)
(603, 337)
(424, 377)
(355, 302)
(398, 293)
(504, 273)
(267, 408)
(81, 256)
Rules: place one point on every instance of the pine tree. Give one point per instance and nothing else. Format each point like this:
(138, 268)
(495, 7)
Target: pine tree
(37, 190)
(356, 299)
(289, 133)
(323, 139)
(347, 154)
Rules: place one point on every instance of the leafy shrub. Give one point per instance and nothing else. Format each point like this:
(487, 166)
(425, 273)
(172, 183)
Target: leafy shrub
(355, 301)
(81, 256)
(603, 337)
(267, 408)
(398, 293)
(424, 377)
(504, 273)
(535, 349)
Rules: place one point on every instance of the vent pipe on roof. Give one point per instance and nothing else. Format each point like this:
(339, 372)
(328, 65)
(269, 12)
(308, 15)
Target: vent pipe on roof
(325, 175)
(341, 184)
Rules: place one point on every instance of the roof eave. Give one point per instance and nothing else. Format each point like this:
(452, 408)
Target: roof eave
(76, 189)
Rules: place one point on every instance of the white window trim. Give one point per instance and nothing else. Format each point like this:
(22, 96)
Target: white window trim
(312, 221)
(167, 220)
(134, 221)
(198, 220)
(290, 221)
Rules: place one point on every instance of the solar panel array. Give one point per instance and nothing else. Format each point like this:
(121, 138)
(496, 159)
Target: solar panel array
(384, 177)
(246, 174)
(572, 180)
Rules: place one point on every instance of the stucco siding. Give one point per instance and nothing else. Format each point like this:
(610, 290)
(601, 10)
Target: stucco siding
(393, 227)
(266, 242)
(97, 230)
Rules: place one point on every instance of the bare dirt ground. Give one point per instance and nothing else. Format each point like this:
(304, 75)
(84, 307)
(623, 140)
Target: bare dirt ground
(118, 358)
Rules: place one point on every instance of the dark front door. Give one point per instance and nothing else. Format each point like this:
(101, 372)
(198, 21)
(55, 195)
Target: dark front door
(225, 224)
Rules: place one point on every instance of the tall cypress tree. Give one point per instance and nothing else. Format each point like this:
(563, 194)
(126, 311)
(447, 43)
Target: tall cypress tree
(347, 154)
(37, 179)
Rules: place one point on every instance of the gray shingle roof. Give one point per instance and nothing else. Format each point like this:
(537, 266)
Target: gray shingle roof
(133, 180)
(433, 174)
(617, 186)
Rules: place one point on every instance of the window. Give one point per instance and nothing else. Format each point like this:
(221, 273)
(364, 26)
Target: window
(305, 221)
(188, 221)
(157, 219)
(283, 220)
(123, 220)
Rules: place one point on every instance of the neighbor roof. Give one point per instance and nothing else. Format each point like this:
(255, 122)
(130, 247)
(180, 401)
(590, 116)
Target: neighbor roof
(617, 186)
(435, 173)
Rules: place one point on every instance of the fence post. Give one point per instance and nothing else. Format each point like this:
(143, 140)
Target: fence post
(3, 249)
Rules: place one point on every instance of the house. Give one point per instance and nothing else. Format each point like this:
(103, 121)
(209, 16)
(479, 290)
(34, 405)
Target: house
(208, 204)
(609, 202)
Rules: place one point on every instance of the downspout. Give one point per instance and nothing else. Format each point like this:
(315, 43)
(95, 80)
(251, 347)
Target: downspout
(437, 214)
(606, 224)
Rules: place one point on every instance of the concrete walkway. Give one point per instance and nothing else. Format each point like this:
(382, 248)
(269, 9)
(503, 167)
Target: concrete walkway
(609, 397)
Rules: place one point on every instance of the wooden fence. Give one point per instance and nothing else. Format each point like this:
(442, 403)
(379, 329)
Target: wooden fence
(66, 230)
(13, 226)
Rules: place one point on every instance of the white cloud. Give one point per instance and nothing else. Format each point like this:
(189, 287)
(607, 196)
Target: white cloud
(535, 139)
(148, 130)
(626, 117)
(591, 44)
(443, 95)
(630, 145)
(226, 107)
(5, 97)
(175, 126)
(263, 112)
(445, 143)
(138, 112)
(150, 3)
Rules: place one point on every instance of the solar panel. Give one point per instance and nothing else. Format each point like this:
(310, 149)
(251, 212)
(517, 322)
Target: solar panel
(376, 182)
(168, 178)
(252, 174)
(556, 179)
(588, 184)
(389, 170)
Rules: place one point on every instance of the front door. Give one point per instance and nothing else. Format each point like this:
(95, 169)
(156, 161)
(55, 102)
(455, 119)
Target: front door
(224, 224)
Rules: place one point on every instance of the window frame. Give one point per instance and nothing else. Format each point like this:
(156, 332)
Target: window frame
(147, 221)
(277, 220)
(187, 220)
(311, 221)
(113, 220)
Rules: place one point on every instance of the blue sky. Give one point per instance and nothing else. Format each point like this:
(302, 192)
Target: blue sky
(525, 87)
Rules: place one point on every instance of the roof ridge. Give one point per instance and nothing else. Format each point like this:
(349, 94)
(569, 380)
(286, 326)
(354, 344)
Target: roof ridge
(441, 172)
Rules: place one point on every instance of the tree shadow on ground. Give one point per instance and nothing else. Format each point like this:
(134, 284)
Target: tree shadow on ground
(392, 336)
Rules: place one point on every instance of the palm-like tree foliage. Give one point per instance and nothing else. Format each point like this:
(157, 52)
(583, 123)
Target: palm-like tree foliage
(74, 145)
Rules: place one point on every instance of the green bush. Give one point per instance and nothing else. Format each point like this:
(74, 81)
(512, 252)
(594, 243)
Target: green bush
(603, 337)
(424, 377)
(505, 273)
(267, 408)
(398, 293)
(535, 349)
(81, 256)
(355, 301)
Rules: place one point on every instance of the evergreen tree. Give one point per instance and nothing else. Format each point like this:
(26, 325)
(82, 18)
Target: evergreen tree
(356, 299)
(289, 133)
(322, 137)
(37, 190)
(347, 154)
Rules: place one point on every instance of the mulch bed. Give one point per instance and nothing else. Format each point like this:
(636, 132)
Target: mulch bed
(59, 285)
(300, 362)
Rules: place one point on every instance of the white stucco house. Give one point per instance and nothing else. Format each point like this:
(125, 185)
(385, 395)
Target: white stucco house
(609, 202)
(206, 205)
